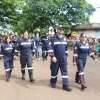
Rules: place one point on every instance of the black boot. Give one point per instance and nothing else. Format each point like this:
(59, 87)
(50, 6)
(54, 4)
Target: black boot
(53, 85)
(23, 74)
(83, 87)
(66, 88)
(10, 73)
(82, 80)
(77, 78)
(30, 72)
(53, 82)
(7, 76)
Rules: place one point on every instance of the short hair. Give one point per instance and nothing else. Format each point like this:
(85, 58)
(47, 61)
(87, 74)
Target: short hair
(82, 34)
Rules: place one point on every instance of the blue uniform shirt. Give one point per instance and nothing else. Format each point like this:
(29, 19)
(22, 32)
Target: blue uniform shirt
(82, 50)
(45, 43)
(25, 46)
(8, 49)
(58, 46)
(37, 41)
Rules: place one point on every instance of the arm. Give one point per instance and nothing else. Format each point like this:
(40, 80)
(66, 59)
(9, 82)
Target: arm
(2, 49)
(75, 52)
(33, 47)
(66, 47)
(51, 48)
(91, 53)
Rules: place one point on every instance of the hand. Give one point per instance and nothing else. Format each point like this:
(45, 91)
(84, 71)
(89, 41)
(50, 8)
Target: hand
(54, 59)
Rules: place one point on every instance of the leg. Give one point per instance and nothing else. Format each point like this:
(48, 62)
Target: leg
(7, 69)
(7, 74)
(77, 78)
(11, 62)
(23, 64)
(54, 71)
(29, 67)
(82, 63)
(30, 72)
(43, 55)
(46, 55)
(36, 52)
(64, 72)
(23, 72)
(11, 65)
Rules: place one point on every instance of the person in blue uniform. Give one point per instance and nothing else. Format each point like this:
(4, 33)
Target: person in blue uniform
(25, 47)
(1, 40)
(45, 43)
(37, 41)
(75, 40)
(58, 53)
(33, 43)
(81, 51)
(8, 50)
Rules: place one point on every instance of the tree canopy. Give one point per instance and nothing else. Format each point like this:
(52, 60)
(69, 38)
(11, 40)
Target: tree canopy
(24, 15)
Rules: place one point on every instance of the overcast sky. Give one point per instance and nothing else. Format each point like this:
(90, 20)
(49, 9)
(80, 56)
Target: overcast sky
(95, 18)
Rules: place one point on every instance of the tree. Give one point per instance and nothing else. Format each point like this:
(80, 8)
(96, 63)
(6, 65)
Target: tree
(30, 14)
(9, 12)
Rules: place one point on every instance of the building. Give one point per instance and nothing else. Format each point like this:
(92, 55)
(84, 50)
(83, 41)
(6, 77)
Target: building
(92, 30)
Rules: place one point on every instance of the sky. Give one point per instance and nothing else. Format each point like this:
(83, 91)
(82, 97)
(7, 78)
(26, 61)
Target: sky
(95, 18)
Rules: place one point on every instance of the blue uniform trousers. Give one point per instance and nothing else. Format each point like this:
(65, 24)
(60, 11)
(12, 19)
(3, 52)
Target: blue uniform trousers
(8, 63)
(81, 62)
(62, 65)
(26, 61)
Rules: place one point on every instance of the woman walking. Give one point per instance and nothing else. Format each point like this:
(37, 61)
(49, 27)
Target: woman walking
(8, 49)
(81, 51)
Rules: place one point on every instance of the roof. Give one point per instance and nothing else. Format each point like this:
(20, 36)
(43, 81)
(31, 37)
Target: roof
(91, 26)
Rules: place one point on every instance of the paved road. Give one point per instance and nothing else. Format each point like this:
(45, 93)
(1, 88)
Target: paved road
(17, 89)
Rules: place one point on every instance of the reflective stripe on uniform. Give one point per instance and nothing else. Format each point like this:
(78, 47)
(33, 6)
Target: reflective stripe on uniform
(8, 48)
(56, 43)
(84, 47)
(81, 73)
(33, 50)
(44, 51)
(49, 43)
(50, 50)
(92, 53)
(75, 48)
(26, 43)
(53, 76)
(29, 68)
(75, 55)
(7, 69)
(64, 76)
(45, 39)
(66, 51)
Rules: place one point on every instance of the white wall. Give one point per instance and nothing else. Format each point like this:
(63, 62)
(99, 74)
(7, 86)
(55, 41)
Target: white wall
(91, 33)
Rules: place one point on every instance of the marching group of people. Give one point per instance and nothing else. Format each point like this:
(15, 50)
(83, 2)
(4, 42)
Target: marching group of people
(57, 49)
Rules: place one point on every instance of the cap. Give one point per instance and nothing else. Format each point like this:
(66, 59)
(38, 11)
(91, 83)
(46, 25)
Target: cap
(60, 27)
